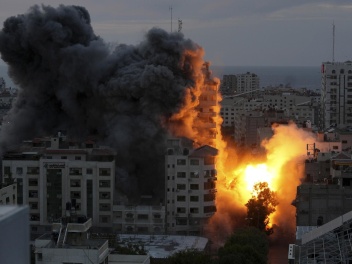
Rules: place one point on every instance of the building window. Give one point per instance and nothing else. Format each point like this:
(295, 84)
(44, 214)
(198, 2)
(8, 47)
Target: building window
(335, 147)
(194, 198)
(19, 170)
(78, 157)
(76, 171)
(194, 162)
(75, 183)
(181, 210)
(89, 171)
(181, 174)
(32, 182)
(104, 172)
(209, 209)
(7, 171)
(63, 157)
(34, 217)
(104, 207)
(32, 170)
(142, 216)
(181, 198)
(181, 221)
(194, 174)
(194, 187)
(194, 210)
(76, 195)
(104, 195)
(33, 206)
(181, 162)
(181, 187)
(104, 183)
(33, 194)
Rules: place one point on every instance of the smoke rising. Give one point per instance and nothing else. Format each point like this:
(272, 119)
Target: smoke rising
(69, 80)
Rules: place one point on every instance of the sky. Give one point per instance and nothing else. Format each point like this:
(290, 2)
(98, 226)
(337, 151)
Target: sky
(232, 32)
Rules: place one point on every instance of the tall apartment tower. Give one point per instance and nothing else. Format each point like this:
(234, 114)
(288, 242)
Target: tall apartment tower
(336, 94)
(247, 82)
(229, 84)
(190, 190)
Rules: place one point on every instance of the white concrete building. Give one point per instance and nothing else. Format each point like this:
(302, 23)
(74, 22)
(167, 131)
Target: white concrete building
(336, 94)
(141, 219)
(52, 174)
(247, 82)
(190, 190)
(69, 242)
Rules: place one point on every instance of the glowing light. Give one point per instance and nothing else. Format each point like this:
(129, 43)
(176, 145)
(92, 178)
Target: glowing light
(257, 173)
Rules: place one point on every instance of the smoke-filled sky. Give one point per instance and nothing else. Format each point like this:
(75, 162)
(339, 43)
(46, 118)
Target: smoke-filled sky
(72, 80)
(232, 32)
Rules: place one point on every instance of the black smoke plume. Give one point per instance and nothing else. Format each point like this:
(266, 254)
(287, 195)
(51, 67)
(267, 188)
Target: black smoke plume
(70, 80)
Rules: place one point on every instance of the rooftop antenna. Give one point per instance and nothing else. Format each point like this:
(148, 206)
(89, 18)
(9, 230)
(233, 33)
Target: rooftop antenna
(333, 42)
(170, 8)
(179, 25)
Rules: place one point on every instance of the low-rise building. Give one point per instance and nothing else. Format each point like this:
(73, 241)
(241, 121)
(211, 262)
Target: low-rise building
(69, 242)
(53, 174)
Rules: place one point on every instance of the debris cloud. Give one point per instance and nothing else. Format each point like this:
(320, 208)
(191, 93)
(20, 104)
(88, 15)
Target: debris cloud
(70, 80)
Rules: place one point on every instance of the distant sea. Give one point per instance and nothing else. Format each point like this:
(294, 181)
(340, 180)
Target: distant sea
(296, 77)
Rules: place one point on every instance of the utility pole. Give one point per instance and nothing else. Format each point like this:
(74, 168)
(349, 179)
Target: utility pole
(170, 8)
(333, 42)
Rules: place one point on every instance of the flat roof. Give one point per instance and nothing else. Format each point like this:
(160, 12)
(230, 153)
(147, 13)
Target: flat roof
(163, 246)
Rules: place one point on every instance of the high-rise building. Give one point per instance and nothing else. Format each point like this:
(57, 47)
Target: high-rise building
(247, 82)
(191, 189)
(336, 94)
(239, 83)
(228, 84)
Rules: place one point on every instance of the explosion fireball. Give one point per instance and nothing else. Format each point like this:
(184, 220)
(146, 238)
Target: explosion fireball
(132, 98)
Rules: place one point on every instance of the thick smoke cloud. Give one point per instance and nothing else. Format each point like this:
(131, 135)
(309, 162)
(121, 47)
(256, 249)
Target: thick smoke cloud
(69, 80)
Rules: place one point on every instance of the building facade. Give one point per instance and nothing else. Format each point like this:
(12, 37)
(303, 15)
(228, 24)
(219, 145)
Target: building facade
(336, 94)
(191, 188)
(51, 179)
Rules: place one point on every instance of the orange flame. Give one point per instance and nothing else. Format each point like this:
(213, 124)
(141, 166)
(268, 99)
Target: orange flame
(281, 167)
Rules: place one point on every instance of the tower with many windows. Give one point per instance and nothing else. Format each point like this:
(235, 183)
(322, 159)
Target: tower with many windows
(336, 94)
(191, 188)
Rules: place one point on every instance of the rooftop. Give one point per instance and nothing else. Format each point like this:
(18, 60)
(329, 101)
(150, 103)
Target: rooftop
(163, 246)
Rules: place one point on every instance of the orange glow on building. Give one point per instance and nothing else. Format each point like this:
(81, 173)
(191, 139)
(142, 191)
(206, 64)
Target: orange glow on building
(281, 166)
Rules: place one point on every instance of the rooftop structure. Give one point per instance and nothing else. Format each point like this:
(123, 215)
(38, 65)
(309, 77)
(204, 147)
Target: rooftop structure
(163, 246)
(328, 243)
(69, 242)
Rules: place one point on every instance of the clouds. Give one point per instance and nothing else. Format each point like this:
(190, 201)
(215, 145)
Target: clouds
(229, 30)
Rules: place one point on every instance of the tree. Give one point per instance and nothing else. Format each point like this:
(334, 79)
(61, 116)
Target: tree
(260, 206)
(246, 246)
